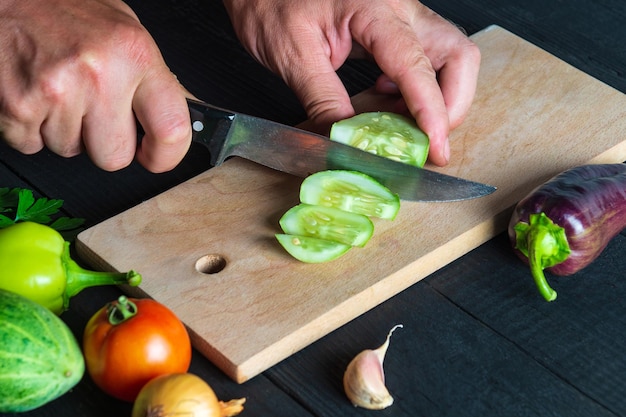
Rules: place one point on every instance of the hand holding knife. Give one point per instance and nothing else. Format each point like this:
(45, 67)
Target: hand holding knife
(302, 153)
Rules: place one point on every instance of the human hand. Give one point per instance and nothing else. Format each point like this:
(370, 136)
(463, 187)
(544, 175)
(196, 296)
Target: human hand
(422, 56)
(74, 74)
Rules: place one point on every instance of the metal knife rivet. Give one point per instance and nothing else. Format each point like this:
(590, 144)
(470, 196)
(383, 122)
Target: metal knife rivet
(197, 126)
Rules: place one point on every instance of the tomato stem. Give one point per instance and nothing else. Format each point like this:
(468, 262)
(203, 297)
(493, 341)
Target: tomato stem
(121, 311)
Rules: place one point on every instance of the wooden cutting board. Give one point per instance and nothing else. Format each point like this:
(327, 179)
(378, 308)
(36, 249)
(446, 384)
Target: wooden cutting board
(206, 248)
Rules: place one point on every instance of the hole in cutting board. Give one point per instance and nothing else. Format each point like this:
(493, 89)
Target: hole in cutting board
(210, 264)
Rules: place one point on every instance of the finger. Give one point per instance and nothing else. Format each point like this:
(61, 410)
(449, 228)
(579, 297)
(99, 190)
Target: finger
(161, 108)
(455, 58)
(385, 85)
(401, 57)
(61, 129)
(24, 138)
(109, 134)
(20, 122)
(310, 71)
(457, 79)
(319, 89)
(323, 96)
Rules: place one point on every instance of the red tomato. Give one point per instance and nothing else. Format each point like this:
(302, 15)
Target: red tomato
(124, 349)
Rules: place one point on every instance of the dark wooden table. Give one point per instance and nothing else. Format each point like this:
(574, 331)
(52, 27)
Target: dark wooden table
(477, 338)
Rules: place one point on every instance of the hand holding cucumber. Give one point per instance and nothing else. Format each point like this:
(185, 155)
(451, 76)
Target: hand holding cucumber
(422, 56)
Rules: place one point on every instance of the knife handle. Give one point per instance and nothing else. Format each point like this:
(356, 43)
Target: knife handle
(210, 127)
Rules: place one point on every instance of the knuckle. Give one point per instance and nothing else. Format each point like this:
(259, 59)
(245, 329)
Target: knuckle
(165, 145)
(55, 86)
(113, 165)
(418, 64)
(112, 153)
(18, 139)
(324, 112)
(472, 52)
(174, 131)
(19, 127)
(131, 44)
(138, 45)
(63, 148)
(17, 111)
(115, 161)
(27, 146)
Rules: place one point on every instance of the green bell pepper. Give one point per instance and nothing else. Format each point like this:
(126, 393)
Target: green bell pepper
(35, 262)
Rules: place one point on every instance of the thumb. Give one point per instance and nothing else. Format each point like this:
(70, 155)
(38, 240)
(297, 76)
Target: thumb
(161, 108)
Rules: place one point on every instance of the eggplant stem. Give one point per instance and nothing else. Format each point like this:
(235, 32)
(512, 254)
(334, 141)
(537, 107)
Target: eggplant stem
(545, 244)
(535, 255)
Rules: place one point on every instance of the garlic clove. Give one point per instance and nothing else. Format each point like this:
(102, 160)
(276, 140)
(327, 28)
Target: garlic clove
(364, 379)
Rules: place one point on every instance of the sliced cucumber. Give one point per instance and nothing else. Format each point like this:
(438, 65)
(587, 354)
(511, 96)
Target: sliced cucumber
(350, 191)
(391, 135)
(328, 223)
(311, 249)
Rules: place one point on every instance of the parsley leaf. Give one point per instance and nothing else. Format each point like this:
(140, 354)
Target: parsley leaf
(20, 205)
(35, 210)
(66, 223)
(8, 198)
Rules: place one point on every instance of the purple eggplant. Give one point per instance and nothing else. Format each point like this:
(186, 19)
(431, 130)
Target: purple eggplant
(565, 224)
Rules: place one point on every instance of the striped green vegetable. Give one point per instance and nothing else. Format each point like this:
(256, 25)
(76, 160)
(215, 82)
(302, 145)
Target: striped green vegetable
(40, 359)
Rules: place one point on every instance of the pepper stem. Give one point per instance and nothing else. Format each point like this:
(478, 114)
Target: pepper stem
(545, 244)
(79, 278)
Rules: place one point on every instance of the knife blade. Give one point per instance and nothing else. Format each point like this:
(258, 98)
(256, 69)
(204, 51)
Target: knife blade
(302, 153)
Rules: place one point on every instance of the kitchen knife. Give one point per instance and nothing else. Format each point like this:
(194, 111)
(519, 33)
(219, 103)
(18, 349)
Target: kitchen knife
(302, 153)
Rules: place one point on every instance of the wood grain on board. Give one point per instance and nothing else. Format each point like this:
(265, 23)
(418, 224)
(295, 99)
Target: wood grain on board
(206, 247)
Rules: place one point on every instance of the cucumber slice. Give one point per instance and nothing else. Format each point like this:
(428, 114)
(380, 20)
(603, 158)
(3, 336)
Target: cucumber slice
(311, 249)
(327, 223)
(350, 191)
(391, 135)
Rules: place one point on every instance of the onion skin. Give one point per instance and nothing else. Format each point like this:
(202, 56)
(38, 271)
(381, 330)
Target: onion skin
(587, 202)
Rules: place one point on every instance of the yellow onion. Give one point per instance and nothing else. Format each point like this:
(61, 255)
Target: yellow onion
(182, 394)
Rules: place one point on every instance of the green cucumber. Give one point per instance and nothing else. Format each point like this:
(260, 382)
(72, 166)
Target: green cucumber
(391, 135)
(40, 359)
(311, 249)
(327, 223)
(350, 191)
(334, 215)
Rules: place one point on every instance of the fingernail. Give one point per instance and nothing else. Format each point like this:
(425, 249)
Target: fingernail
(386, 86)
(446, 150)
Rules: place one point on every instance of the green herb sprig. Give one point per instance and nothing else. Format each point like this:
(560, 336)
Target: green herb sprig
(20, 205)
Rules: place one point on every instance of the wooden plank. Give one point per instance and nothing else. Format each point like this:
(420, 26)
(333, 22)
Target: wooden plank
(526, 99)
(579, 337)
(587, 34)
(66, 178)
(443, 362)
(9, 179)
